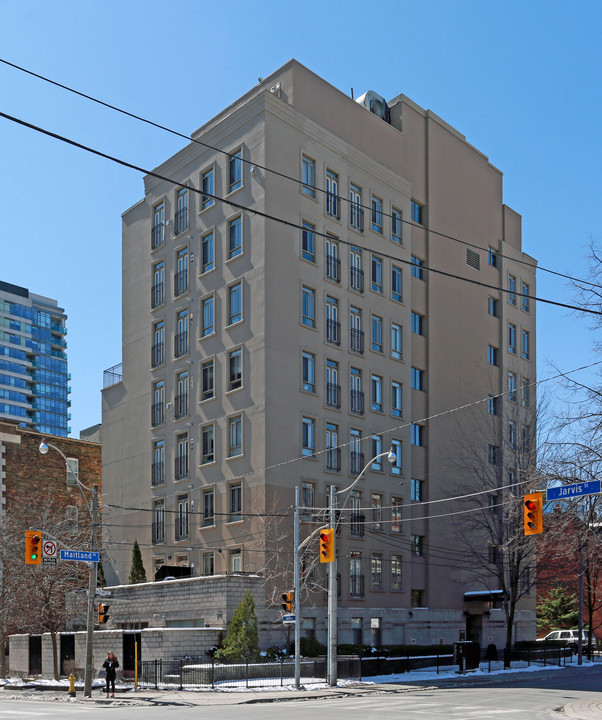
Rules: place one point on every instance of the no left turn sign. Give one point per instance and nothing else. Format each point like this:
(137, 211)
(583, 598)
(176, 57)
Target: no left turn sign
(48, 549)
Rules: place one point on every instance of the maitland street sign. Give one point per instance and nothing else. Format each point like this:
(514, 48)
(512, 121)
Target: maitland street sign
(81, 555)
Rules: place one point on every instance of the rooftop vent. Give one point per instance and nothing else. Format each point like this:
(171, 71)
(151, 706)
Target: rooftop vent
(375, 103)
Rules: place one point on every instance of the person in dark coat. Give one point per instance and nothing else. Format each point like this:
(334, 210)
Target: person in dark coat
(110, 665)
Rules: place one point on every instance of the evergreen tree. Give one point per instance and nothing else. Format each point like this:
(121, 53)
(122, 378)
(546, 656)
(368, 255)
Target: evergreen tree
(137, 572)
(558, 609)
(241, 642)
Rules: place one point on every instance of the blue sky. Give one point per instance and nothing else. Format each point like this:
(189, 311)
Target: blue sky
(521, 80)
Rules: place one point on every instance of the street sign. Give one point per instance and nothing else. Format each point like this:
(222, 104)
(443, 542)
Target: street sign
(49, 550)
(288, 619)
(81, 555)
(49, 562)
(562, 492)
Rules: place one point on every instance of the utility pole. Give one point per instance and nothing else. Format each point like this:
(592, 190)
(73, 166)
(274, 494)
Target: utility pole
(89, 670)
(297, 599)
(332, 599)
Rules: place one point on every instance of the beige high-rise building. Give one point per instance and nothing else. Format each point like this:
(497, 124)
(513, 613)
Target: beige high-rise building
(312, 281)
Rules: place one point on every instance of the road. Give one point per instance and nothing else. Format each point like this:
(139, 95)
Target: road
(534, 696)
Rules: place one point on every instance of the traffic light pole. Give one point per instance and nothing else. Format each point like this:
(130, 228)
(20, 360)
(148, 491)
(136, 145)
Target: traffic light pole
(89, 670)
(332, 599)
(297, 606)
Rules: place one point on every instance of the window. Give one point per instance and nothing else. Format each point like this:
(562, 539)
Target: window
(208, 563)
(72, 471)
(492, 404)
(308, 500)
(332, 194)
(235, 436)
(308, 242)
(180, 284)
(158, 406)
(207, 253)
(356, 274)
(417, 268)
(375, 632)
(181, 337)
(207, 380)
(396, 515)
(492, 306)
(308, 371)
(377, 274)
(235, 561)
(182, 518)
(356, 212)
(207, 187)
(525, 386)
(377, 334)
(207, 316)
(181, 216)
(333, 389)
(181, 469)
(417, 212)
(524, 338)
(396, 341)
(207, 444)
(235, 491)
(526, 439)
(158, 467)
(181, 396)
(333, 264)
(308, 437)
(158, 286)
(235, 303)
(417, 544)
(417, 491)
(377, 393)
(511, 434)
(158, 346)
(333, 326)
(512, 386)
(492, 353)
(397, 464)
(356, 334)
(417, 323)
(418, 379)
(235, 369)
(308, 176)
(234, 237)
(492, 454)
(396, 399)
(396, 286)
(208, 508)
(417, 435)
(333, 452)
(416, 598)
(159, 522)
(356, 629)
(376, 572)
(235, 170)
(396, 572)
(511, 289)
(492, 257)
(377, 448)
(356, 588)
(511, 338)
(158, 229)
(356, 395)
(396, 226)
(356, 457)
(308, 307)
(377, 214)
(524, 300)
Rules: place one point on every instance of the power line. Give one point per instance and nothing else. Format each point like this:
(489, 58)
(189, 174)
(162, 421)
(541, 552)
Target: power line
(278, 173)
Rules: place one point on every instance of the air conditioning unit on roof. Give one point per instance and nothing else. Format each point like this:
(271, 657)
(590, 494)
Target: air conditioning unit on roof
(375, 103)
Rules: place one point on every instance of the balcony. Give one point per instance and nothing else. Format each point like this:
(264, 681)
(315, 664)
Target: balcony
(333, 205)
(157, 294)
(357, 402)
(157, 235)
(181, 405)
(181, 344)
(333, 395)
(356, 462)
(356, 585)
(111, 376)
(333, 268)
(182, 527)
(357, 523)
(158, 530)
(181, 221)
(181, 467)
(356, 279)
(356, 340)
(333, 332)
(180, 282)
(157, 473)
(333, 459)
(356, 217)
(157, 354)
(157, 414)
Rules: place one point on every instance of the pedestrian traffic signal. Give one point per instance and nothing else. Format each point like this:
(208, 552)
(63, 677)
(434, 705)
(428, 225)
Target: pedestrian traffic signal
(327, 545)
(102, 613)
(288, 600)
(533, 513)
(33, 547)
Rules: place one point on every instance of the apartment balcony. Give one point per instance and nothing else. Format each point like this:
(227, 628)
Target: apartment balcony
(357, 402)
(181, 344)
(333, 332)
(158, 474)
(180, 282)
(157, 354)
(157, 294)
(182, 528)
(357, 524)
(356, 340)
(333, 395)
(333, 459)
(356, 279)
(157, 414)
(181, 221)
(111, 376)
(333, 205)
(181, 405)
(158, 533)
(181, 467)
(157, 235)
(356, 217)
(356, 462)
(333, 268)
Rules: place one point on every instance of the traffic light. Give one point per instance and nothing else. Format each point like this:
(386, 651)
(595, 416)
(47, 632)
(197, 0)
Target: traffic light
(327, 545)
(33, 547)
(533, 513)
(102, 613)
(288, 600)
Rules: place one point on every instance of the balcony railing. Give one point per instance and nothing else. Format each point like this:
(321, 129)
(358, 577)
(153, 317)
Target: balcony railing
(157, 294)
(180, 282)
(158, 533)
(356, 340)
(157, 414)
(357, 402)
(357, 523)
(356, 217)
(356, 279)
(333, 268)
(158, 473)
(181, 467)
(356, 462)
(333, 395)
(333, 205)
(111, 376)
(182, 527)
(333, 332)
(181, 221)
(356, 585)
(333, 459)
(157, 235)
(157, 354)
(181, 405)
(181, 344)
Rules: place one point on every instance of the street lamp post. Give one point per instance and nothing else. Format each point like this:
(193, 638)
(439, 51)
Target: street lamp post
(332, 572)
(92, 577)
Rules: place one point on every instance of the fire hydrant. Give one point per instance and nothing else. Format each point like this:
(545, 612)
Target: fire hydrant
(72, 685)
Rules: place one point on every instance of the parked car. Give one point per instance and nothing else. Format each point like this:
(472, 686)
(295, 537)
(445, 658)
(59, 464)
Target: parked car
(566, 638)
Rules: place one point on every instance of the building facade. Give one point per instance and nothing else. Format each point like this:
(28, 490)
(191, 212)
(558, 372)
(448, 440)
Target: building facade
(34, 388)
(319, 281)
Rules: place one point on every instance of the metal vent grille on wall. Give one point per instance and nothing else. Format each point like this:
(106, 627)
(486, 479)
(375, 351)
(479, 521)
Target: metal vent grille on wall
(473, 259)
